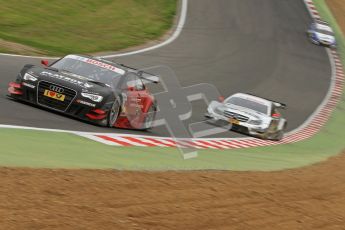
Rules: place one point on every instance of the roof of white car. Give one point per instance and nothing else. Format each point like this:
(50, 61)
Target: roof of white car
(253, 98)
(323, 26)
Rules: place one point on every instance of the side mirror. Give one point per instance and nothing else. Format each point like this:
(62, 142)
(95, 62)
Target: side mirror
(45, 62)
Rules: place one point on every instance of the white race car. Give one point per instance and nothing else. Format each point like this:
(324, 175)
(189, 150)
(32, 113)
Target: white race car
(249, 114)
(320, 33)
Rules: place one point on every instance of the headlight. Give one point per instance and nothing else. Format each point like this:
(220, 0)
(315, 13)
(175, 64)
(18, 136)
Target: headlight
(255, 122)
(93, 97)
(29, 77)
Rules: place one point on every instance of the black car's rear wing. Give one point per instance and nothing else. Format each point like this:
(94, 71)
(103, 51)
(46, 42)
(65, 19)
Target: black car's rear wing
(150, 78)
(146, 77)
(276, 103)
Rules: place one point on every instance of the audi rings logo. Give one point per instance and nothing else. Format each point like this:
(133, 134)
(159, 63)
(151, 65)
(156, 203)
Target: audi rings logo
(56, 89)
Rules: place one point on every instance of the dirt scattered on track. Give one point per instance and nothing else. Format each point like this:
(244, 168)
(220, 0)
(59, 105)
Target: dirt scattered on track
(307, 198)
(338, 9)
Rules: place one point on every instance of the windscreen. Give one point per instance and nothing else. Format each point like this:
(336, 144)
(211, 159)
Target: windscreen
(91, 69)
(326, 32)
(248, 104)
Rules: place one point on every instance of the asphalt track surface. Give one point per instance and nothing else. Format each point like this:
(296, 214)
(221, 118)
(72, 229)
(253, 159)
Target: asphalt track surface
(251, 46)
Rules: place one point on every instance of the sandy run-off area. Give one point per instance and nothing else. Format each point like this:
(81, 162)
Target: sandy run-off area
(306, 198)
(338, 9)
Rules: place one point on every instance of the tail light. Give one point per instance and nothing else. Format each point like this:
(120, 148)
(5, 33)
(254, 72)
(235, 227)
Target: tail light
(276, 115)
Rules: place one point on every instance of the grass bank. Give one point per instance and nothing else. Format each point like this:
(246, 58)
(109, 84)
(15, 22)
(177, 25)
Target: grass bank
(59, 27)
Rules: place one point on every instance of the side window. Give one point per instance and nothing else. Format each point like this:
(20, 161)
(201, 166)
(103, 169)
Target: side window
(129, 82)
(139, 84)
(133, 81)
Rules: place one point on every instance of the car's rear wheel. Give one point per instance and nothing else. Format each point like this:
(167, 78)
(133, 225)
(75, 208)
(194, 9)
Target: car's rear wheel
(151, 114)
(278, 135)
(114, 113)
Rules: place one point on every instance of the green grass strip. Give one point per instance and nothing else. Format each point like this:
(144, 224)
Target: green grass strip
(58, 27)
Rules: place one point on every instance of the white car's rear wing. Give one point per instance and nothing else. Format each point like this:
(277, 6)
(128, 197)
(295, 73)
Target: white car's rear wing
(279, 105)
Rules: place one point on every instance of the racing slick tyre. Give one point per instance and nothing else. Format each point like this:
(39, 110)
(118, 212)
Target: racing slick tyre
(278, 135)
(113, 113)
(151, 114)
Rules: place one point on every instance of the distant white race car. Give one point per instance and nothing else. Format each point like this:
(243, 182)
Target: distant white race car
(320, 33)
(249, 114)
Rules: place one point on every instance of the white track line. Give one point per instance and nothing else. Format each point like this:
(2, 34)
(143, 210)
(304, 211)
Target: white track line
(324, 101)
(180, 25)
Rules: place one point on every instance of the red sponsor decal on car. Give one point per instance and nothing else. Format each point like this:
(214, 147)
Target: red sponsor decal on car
(105, 66)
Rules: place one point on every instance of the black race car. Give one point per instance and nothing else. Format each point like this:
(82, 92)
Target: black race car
(89, 88)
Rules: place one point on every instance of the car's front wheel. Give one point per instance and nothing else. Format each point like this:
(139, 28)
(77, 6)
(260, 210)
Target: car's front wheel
(114, 113)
